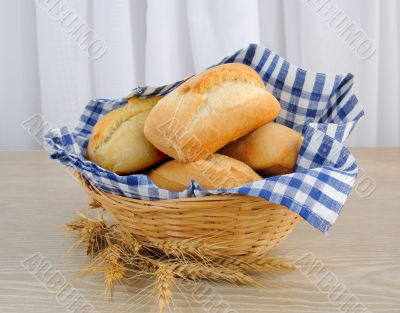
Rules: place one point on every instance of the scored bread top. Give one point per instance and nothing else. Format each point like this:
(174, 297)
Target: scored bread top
(216, 171)
(231, 72)
(108, 124)
(118, 143)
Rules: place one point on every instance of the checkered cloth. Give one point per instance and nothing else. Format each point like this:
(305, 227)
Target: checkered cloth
(322, 107)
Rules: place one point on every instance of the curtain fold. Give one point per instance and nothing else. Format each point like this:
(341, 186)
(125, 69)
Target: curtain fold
(168, 50)
(153, 42)
(218, 28)
(19, 73)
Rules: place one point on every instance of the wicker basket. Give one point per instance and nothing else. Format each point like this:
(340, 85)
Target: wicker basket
(242, 225)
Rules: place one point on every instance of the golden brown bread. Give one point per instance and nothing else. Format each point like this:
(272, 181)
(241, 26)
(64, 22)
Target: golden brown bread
(216, 171)
(117, 142)
(271, 149)
(210, 110)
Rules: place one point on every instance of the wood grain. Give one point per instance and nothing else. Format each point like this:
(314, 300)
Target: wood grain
(362, 251)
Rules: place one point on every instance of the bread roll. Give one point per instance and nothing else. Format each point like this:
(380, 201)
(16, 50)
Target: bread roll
(216, 171)
(210, 110)
(117, 142)
(271, 149)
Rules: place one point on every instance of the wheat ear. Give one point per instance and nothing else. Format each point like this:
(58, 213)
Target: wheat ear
(164, 282)
(95, 234)
(186, 249)
(255, 263)
(195, 271)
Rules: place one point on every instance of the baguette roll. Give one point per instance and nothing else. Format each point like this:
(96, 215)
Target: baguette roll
(117, 142)
(210, 110)
(216, 171)
(270, 150)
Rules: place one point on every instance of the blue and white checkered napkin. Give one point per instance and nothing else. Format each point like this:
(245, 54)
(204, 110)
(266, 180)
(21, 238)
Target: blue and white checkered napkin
(322, 107)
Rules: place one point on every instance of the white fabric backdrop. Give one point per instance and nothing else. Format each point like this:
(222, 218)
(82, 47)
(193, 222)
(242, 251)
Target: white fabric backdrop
(156, 42)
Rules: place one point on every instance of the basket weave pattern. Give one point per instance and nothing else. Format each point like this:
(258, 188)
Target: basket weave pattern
(242, 225)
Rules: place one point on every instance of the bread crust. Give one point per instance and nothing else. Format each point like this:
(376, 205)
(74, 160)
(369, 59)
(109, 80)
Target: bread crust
(271, 149)
(216, 171)
(220, 74)
(210, 110)
(117, 142)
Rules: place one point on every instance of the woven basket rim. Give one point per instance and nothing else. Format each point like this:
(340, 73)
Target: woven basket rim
(211, 198)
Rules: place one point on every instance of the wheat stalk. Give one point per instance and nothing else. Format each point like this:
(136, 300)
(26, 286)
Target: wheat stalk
(113, 274)
(255, 263)
(126, 241)
(110, 262)
(95, 234)
(164, 281)
(186, 249)
(114, 267)
(215, 272)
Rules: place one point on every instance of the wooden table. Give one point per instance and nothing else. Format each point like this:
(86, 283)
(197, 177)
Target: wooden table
(361, 252)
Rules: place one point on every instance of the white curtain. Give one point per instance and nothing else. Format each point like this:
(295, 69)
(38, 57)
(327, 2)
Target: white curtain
(154, 42)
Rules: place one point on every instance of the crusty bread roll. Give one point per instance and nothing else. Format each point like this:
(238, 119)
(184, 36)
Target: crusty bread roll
(216, 171)
(210, 110)
(117, 142)
(270, 150)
